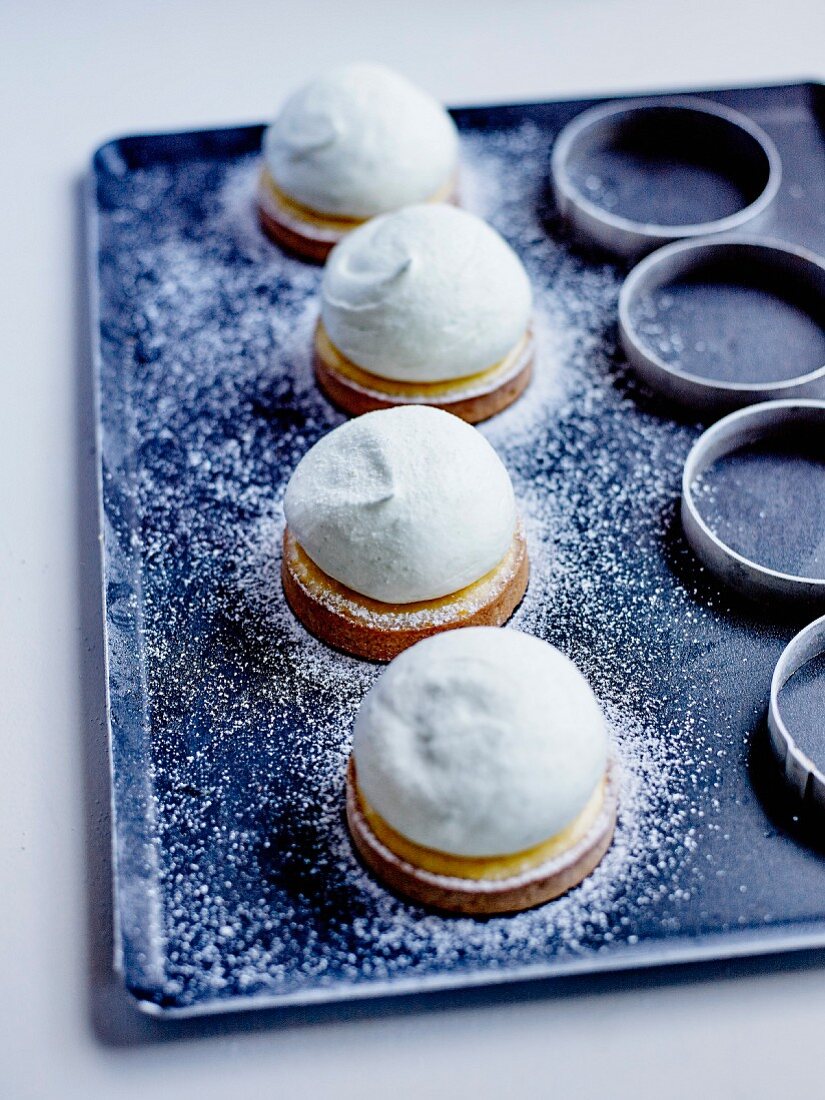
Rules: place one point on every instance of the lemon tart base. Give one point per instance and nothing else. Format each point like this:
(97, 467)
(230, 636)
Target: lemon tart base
(476, 398)
(309, 233)
(379, 631)
(478, 886)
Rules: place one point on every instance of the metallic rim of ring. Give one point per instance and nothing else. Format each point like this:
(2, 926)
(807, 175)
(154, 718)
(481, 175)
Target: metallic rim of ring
(738, 430)
(633, 239)
(684, 257)
(803, 776)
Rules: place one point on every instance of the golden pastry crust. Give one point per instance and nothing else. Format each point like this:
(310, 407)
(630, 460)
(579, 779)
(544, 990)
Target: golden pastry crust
(474, 399)
(532, 886)
(309, 233)
(379, 631)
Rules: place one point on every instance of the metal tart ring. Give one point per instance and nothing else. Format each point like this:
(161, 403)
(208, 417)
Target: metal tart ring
(632, 239)
(738, 430)
(803, 776)
(785, 263)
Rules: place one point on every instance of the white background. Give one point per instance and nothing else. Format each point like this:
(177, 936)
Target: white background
(72, 74)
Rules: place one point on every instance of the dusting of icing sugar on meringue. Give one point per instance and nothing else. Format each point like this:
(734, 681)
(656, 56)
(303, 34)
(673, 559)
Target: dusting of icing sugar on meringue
(360, 141)
(429, 293)
(480, 742)
(402, 505)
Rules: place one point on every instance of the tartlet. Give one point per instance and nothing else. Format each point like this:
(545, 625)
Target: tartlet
(357, 142)
(401, 524)
(427, 305)
(481, 780)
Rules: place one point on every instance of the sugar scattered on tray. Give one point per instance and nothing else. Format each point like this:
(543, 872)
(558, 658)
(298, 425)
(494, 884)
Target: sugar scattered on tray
(251, 717)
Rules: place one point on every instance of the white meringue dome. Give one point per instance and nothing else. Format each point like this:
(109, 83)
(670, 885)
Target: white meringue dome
(360, 141)
(480, 742)
(429, 293)
(402, 505)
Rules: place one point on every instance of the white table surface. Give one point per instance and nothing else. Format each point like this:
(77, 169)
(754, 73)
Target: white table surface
(72, 74)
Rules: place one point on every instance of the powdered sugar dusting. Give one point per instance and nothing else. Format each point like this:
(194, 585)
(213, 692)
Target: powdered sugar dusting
(250, 717)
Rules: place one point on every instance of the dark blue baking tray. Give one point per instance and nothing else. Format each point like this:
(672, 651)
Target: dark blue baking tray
(235, 885)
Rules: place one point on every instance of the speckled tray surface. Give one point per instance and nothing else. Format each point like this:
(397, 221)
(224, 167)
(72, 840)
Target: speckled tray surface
(235, 882)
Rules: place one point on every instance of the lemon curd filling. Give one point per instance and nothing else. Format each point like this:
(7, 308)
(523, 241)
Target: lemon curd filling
(318, 218)
(413, 391)
(485, 867)
(323, 587)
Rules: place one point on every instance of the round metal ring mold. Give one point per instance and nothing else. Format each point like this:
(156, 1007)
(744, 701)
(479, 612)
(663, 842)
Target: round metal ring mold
(804, 777)
(740, 429)
(599, 127)
(789, 264)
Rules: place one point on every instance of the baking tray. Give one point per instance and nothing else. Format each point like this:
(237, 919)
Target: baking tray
(235, 885)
